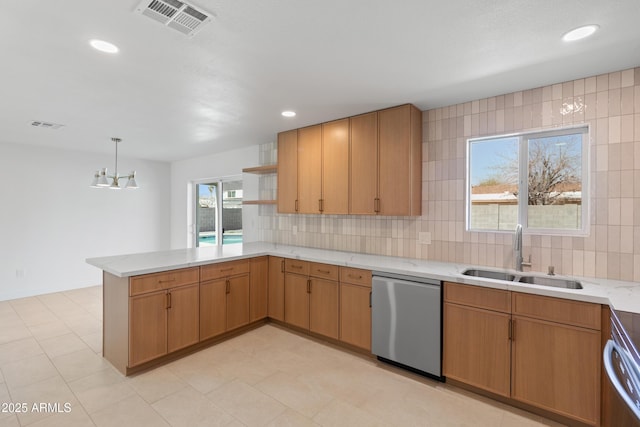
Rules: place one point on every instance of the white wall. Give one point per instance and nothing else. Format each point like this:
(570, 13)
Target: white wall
(51, 220)
(185, 172)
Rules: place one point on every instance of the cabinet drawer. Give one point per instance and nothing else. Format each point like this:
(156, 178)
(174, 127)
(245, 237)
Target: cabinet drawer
(324, 271)
(477, 296)
(296, 266)
(576, 313)
(224, 269)
(355, 276)
(165, 280)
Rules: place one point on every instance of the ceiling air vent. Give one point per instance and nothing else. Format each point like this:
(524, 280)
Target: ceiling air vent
(45, 125)
(175, 14)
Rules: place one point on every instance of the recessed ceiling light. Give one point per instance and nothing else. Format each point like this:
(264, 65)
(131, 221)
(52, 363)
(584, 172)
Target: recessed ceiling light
(289, 113)
(103, 46)
(580, 33)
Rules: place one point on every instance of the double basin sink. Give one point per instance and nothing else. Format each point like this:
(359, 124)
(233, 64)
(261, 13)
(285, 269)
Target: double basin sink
(530, 280)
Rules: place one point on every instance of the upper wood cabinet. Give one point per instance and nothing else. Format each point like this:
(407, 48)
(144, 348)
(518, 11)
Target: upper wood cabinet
(288, 171)
(364, 165)
(400, 161)
(310, 169)
(363, 170)
(335, 167)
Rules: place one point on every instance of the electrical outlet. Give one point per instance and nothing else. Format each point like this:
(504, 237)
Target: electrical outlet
(424, 237)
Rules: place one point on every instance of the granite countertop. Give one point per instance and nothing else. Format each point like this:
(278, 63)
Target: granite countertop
(623, 296)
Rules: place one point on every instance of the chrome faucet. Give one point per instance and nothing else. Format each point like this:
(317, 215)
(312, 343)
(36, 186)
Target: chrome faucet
(517, 247)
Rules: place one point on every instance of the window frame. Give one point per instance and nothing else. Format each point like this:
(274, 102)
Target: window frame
(523, 187)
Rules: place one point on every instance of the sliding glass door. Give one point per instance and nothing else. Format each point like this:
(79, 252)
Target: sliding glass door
(218, 213)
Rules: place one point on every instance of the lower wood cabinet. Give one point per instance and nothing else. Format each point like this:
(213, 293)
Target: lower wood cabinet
(323, 307)
(237, 301)
(183, 317)
(556, 355)
(148, 323)
(296, 300)
(163, 321)
(276, 288)
(224, 298)
(311, 297)
(477, 348)
(542, 351)
(355, 307)
(258, 288)
(213, 308)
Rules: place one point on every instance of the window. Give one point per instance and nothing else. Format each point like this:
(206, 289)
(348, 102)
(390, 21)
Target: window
(539, 180)
(215, 214)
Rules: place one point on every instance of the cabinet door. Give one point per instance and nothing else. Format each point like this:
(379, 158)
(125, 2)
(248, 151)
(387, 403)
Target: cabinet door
(557, 367)
(147, 327)
(355, 315)
(296, 300)
(323, 307)
(213, 308)
(183, 317)
(287, 171)
(477, 347)
(335, 167)
(363, 171)
(276, 288)
(309, 169)
(237, 301)
(399, 162)
(258, 291)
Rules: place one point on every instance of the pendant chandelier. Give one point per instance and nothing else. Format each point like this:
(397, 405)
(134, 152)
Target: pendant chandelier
(102, 177)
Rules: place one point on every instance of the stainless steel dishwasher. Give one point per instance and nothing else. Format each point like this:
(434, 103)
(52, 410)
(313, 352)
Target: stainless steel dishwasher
(406, 322)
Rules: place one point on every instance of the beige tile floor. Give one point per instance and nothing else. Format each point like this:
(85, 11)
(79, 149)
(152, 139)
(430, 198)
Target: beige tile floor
(50, 352)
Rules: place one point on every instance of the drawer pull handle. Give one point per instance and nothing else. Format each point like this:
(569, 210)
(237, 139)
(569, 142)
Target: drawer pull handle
(296, 266)
(227, 269)
(353, 276)
(173, 279)
(324, 271)
(169, 300)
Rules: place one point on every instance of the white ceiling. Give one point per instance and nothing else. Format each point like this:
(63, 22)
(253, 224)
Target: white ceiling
(170, 97)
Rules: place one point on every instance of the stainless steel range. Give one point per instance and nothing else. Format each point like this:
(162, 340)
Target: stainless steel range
(622, 365)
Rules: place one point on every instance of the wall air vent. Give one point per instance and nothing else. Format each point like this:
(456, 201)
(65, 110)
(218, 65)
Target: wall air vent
(45, 125)
(175, 14)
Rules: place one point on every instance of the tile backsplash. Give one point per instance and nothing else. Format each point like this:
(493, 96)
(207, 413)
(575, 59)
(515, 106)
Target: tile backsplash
(609, 103)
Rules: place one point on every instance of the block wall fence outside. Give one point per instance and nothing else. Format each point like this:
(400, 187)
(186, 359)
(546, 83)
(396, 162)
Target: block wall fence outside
(609, 103)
